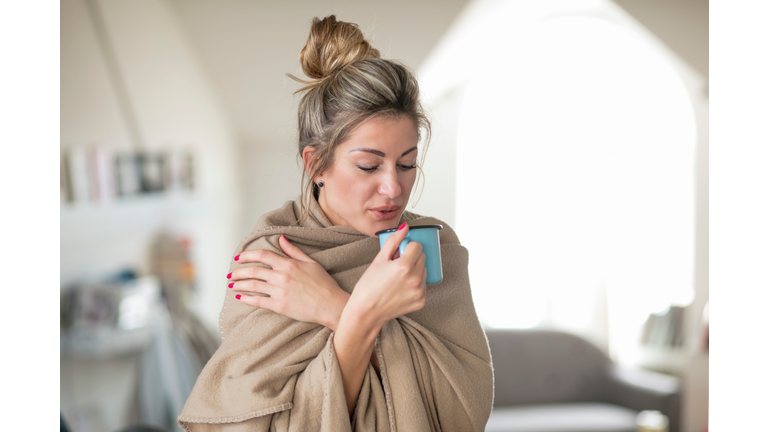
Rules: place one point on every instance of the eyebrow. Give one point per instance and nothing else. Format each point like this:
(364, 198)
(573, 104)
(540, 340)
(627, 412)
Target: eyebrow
(381, 153)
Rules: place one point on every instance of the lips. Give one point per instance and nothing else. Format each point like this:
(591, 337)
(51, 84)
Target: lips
(385, 212)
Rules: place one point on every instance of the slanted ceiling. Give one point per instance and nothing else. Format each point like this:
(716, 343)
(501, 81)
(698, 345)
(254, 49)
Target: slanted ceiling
(249, 46)
(683, 25)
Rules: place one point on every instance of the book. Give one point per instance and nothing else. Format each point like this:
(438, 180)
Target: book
(665, 329)
(127, 174)
(64, 178)
(102, 172)
(78, 171)
(678, 335)
(152, 172)
(186, 170)
(647, 329)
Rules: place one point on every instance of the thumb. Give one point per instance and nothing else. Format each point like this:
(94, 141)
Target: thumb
(392, 243)
(292, 251)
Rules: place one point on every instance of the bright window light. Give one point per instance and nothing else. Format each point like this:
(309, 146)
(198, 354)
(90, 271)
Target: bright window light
(579, 139)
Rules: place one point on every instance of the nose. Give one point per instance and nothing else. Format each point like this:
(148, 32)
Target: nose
(389, 186)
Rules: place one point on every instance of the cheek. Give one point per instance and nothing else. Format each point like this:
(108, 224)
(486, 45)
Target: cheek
(360, 191)
(408, 181)
(353, 187)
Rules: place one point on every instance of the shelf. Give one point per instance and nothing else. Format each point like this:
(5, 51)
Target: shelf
(81, 221)
(134, 202)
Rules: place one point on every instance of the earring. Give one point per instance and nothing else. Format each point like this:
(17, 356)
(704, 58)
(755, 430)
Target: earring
(320, 184)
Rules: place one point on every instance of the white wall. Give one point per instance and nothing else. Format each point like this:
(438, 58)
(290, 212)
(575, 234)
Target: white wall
(89, 106)
(169, 95)
(439, 187)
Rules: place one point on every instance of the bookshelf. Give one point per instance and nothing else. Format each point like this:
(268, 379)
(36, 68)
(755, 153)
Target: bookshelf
(146, 149)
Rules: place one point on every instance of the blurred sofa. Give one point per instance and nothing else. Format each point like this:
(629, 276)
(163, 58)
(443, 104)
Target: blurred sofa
(553, 381)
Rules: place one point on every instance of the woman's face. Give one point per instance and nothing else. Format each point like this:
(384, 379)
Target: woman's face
(368, 185)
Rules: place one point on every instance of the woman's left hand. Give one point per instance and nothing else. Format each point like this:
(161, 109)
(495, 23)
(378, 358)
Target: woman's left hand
(298, 287)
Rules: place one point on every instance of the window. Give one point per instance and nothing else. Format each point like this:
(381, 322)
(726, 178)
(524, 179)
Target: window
(575, 181)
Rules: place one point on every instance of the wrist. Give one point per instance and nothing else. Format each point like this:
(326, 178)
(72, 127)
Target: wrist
(359, 320)
(333, 314)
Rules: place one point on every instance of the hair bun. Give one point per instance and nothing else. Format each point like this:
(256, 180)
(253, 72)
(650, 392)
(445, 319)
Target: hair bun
(332, 45)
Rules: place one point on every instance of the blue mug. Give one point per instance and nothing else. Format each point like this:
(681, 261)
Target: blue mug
(429, 238)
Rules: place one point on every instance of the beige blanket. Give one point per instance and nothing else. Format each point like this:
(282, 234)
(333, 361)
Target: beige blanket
(272, 373)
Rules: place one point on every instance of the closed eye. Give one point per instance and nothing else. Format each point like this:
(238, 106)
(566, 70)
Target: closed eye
(367, 169)
(375, 167)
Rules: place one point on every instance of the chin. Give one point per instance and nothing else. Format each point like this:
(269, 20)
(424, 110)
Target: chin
(383, 225)
(370, 225)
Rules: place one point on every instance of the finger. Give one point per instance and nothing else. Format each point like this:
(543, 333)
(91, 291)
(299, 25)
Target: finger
(421, 261)
(258, 301)
(420, 266)
(293, 251)
(413, 251)
(393, 243)
(262, 256)
(251, 272)
(252, 285)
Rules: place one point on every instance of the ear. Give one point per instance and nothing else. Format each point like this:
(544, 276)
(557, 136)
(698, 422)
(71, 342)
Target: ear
(308, 156)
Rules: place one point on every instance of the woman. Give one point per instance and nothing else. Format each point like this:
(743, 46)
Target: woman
(320, 329)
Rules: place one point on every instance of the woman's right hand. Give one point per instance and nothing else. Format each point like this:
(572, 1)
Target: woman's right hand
(392, 287)
(298, 287)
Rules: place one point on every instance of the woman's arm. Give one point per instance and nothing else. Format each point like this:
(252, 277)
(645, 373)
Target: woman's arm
(353, 343)
(389, 288)
(299, 288)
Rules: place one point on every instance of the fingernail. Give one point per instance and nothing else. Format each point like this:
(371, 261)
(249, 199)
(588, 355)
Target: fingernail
(401, 226)
(285, 238)
(237, 257)
(229, 276)
(237, 296)
(231, 285)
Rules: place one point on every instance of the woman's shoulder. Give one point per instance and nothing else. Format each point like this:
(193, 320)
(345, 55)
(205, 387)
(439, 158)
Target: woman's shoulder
(283, 216)
(269, 227)
(447, 234)
(286, 220)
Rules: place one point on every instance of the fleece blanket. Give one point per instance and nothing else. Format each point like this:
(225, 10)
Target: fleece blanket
(272, 373)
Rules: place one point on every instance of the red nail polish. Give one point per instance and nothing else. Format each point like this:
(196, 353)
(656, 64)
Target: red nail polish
(232, 285)
(229, 276)
(285, 238)
(401, 226)
(237, 257)
(237, 296)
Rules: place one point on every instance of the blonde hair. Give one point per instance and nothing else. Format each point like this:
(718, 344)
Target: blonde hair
(352, 84)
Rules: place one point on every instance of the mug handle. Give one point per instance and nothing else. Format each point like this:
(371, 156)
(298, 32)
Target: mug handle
(403, 244)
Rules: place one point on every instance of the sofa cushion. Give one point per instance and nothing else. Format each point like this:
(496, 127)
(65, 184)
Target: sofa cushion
(545, 366)
(568, 417)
